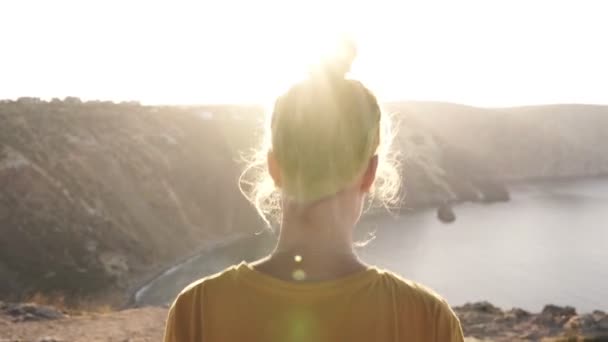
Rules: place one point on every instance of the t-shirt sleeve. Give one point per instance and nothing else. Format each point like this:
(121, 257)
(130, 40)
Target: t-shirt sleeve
(184, 321)
(448, 325)
(170, 327)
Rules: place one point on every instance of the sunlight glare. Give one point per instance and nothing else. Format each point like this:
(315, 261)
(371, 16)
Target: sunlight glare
(188, 52)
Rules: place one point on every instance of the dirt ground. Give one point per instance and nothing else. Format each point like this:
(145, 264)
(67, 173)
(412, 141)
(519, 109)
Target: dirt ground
(135, 325)
(481, 322)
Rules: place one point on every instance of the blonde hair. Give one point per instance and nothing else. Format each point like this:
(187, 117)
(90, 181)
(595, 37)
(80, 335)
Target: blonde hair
(323, 132)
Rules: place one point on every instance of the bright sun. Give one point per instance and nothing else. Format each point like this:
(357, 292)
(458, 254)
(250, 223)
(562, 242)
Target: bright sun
(240, 51)
(291, 44)
(254, 58)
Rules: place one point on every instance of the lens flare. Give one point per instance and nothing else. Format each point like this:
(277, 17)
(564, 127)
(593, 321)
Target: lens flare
(299, 275)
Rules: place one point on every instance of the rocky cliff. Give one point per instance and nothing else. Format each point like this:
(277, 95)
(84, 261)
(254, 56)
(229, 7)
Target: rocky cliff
(471, 153)
(94, 193)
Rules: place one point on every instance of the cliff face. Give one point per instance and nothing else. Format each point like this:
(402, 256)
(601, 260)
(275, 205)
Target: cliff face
(92, 193)
(470, 153)
(516, 143)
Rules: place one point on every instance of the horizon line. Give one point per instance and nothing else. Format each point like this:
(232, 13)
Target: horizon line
(67, 99)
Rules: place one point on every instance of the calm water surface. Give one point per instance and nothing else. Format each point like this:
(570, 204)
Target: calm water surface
(549, 244)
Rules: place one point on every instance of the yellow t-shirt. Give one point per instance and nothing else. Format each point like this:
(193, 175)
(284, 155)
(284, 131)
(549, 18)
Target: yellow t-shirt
(243, 304)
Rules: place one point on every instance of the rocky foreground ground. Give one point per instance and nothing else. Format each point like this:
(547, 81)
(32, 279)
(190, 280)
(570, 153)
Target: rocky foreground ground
(481, 322)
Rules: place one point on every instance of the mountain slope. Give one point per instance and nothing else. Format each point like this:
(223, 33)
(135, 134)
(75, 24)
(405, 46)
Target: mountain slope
(93, 193)
(96, 194)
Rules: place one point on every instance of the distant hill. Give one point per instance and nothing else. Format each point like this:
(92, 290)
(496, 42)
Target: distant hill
(521, 142)
(476, 150)
(94, 194)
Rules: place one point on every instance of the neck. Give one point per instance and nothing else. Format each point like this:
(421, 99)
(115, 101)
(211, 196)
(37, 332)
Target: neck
(314, 242)
(323, 249)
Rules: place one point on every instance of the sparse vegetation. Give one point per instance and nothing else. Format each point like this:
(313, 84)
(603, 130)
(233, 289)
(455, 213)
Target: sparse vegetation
(96, 195)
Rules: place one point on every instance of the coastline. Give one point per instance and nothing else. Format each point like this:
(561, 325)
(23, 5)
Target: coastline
(135, 291)
(244, 249)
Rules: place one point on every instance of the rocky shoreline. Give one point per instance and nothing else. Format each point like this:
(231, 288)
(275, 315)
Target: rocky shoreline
(481, 321)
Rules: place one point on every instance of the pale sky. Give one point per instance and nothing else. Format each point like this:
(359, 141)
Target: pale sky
(477, 52)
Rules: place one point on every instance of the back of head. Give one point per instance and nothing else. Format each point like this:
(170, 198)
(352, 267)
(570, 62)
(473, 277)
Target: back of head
(323, 132)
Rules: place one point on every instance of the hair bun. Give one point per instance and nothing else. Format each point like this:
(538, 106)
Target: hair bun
(337, 64)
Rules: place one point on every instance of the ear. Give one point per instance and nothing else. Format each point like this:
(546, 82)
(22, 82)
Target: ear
(273, 169)
(370, 174)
